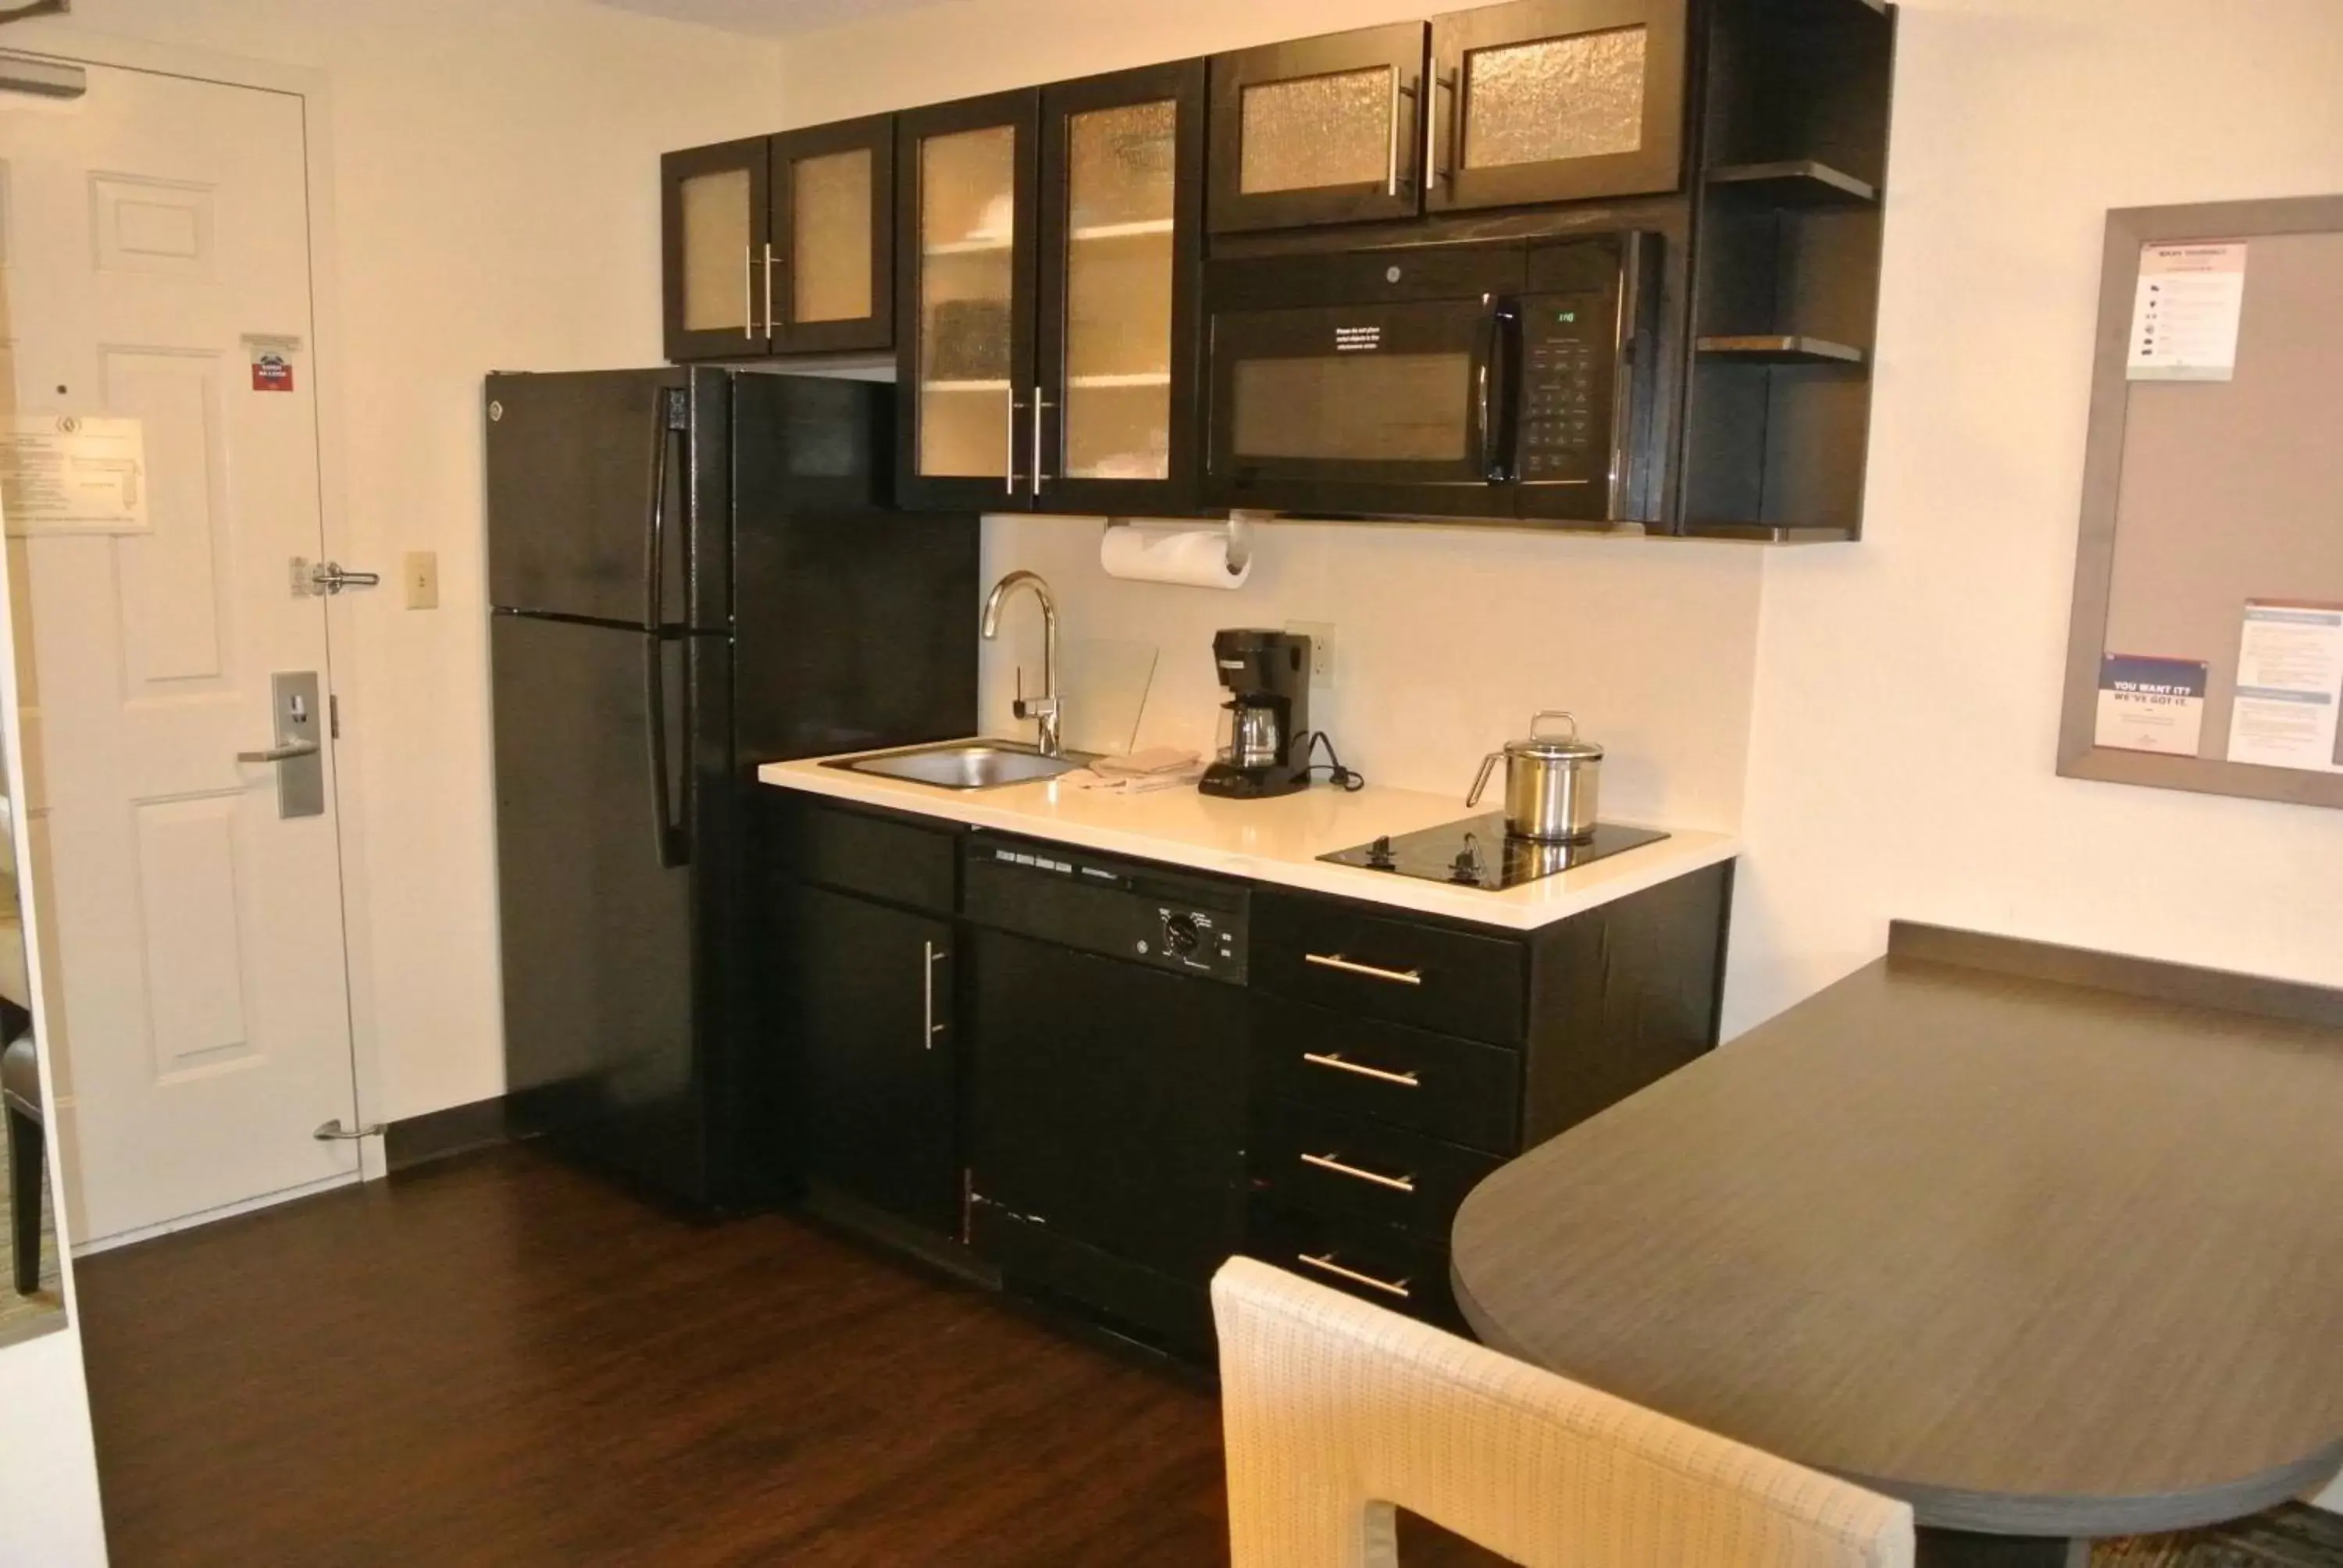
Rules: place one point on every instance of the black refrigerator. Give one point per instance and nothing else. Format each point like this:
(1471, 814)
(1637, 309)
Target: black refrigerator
(692, 571)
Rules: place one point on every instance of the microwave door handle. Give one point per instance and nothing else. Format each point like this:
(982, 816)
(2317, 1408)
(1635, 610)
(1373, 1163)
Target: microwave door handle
(1492, 397)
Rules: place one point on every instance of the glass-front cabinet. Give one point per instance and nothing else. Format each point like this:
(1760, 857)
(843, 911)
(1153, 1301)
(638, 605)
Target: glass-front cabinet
(1507, 106)
(1555, 100)
(1047, 346)
(781, 244)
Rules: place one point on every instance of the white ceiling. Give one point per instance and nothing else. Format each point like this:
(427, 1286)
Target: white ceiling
(768, 18)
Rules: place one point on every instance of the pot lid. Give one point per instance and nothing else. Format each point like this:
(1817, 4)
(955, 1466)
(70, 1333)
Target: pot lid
(1554, 748)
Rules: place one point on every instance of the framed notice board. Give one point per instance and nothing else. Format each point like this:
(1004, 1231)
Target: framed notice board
(2205, 647)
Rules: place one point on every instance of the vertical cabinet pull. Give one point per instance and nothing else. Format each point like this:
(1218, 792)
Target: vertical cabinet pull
(1391, 159)
(748, 292)
(772, 327)
(930, 1028)
(1326, 1265)
(1040, 403)
(1008, 456)
(1434, 84)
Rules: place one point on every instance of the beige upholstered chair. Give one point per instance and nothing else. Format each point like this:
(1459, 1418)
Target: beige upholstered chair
(1337, 1410)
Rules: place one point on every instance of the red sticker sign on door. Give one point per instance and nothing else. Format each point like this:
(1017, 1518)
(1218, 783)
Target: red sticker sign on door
(271, 361)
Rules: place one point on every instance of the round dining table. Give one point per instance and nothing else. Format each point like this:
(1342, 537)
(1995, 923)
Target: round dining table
(2047, 1242)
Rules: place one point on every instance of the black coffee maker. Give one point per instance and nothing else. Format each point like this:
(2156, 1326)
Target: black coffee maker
(1267, 674)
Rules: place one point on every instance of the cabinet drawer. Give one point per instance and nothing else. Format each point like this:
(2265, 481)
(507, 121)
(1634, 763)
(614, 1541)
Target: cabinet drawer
(1457, 1090)
(1339, 956)
(1368, 1261)
(859, 853)
(1345, 1165)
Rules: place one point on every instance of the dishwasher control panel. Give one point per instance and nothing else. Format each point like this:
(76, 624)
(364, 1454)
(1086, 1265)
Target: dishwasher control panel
(1133, 910)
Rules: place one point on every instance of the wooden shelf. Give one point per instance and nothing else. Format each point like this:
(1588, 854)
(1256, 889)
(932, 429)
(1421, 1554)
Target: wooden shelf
(968, 247)
(1778, 350)
(1135, 230)
(1793, 182)
(1132, 378)
(1000, 386)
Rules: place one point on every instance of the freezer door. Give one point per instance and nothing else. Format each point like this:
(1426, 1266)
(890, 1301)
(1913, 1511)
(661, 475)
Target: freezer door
(589, 495)
(857, 624)
(597, 897)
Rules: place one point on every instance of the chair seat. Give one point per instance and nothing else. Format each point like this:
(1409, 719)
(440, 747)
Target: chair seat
(20, 1077)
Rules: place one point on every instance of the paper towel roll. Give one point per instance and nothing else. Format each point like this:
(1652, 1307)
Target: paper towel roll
(1194, 558)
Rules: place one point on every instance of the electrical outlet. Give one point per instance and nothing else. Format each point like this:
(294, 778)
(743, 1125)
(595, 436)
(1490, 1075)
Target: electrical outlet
(1321, 634)
(421, 575)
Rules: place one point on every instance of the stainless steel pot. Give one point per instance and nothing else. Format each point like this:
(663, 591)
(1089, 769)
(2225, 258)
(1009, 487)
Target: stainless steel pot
(1551, 782)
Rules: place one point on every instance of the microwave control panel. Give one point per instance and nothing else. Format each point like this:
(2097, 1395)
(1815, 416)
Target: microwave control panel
(1569, 357)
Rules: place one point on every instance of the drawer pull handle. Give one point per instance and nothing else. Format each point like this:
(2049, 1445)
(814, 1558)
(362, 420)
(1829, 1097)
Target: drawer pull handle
(1334, 1163)
(1335, 1060)
(1328, 1266)
(1337, 962)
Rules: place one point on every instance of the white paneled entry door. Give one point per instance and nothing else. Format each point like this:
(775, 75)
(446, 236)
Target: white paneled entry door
(156, 246)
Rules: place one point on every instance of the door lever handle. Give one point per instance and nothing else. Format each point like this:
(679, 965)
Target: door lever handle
(284, 753)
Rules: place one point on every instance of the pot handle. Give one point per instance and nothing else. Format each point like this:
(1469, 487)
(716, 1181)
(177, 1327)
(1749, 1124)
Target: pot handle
(1480, 779)
(1547, 713)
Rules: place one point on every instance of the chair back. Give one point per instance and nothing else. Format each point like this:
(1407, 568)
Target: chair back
(1337, 1411)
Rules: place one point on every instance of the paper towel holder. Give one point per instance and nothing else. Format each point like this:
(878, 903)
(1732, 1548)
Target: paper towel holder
(1239, 525)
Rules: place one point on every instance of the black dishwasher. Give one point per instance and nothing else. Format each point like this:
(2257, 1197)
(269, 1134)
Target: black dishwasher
(1106, 1098)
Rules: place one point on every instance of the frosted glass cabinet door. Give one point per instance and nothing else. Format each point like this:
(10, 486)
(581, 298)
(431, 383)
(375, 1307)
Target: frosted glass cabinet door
(834, 237)
(964, 339)
(714, 228)
(1122, 160)
(1554, 100)
(1320, 130)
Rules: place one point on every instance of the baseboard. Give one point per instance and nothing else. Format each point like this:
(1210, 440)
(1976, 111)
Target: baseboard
(205, 1217)
(436, 1134)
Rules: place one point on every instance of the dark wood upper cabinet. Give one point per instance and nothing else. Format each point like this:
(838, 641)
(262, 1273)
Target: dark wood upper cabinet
(964, 380)
(1319, 130)
(1555, 100)
(1119, 343)
(833, 235)
(715, 208)
(1048, 346)
(781, 245)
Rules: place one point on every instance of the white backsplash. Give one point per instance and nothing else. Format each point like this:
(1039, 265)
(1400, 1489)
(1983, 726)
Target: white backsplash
(1446, 640)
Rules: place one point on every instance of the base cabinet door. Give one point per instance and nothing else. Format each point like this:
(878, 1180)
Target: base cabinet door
(865, 1005)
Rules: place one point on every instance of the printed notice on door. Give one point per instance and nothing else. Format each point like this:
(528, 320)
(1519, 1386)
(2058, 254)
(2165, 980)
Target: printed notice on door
(2150, 704)
(72, 474)
(2184, 313)
(2289, 685)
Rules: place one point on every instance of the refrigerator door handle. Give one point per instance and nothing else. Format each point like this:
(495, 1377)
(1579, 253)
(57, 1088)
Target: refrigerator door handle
(668, 420)
(673, 849)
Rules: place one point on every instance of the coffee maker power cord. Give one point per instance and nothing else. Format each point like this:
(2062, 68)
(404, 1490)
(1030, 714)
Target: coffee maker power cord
(1348, 779)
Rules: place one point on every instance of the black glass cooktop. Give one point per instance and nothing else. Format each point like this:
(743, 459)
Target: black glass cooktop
(1478, 853)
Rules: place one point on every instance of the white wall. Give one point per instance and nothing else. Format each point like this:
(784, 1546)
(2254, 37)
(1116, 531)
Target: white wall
(495, 181)
(1903, 754)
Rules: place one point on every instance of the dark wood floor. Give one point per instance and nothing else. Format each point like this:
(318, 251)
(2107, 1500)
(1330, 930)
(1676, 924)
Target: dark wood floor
(500, 1361)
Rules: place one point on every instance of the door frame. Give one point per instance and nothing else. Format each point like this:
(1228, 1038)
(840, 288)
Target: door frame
(61, 40)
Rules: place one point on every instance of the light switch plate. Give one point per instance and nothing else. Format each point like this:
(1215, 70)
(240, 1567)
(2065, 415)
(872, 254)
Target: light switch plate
(422, 578)
(1321, 634)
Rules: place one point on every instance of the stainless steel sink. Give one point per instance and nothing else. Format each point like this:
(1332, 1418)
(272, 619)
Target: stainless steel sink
(965, 765)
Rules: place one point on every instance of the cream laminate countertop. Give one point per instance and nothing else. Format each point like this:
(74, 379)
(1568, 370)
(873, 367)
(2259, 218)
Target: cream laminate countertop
(1276, 840)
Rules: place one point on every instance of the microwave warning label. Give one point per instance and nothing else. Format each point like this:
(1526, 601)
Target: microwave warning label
(1352, 340)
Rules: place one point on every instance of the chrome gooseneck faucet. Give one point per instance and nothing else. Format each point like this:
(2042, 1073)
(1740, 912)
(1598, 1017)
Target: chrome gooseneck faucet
(1046, 709)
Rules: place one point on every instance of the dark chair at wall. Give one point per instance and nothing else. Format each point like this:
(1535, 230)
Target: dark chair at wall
(20, 1097)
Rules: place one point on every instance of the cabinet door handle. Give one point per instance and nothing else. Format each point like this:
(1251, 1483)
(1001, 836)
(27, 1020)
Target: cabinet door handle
(1335, 1060)
(1009, 457)
(1434, 84)
(1391, 159)
(1040, 403)
(1326, 1265)
(931, 1028)
(1337, 962)
(1334, 1163)
(748, 292)
(772, 327)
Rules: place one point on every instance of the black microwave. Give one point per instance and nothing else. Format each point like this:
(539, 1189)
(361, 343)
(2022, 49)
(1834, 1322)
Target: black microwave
(1501, 380)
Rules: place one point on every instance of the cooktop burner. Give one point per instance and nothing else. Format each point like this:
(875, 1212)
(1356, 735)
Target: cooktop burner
(1478, 853)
